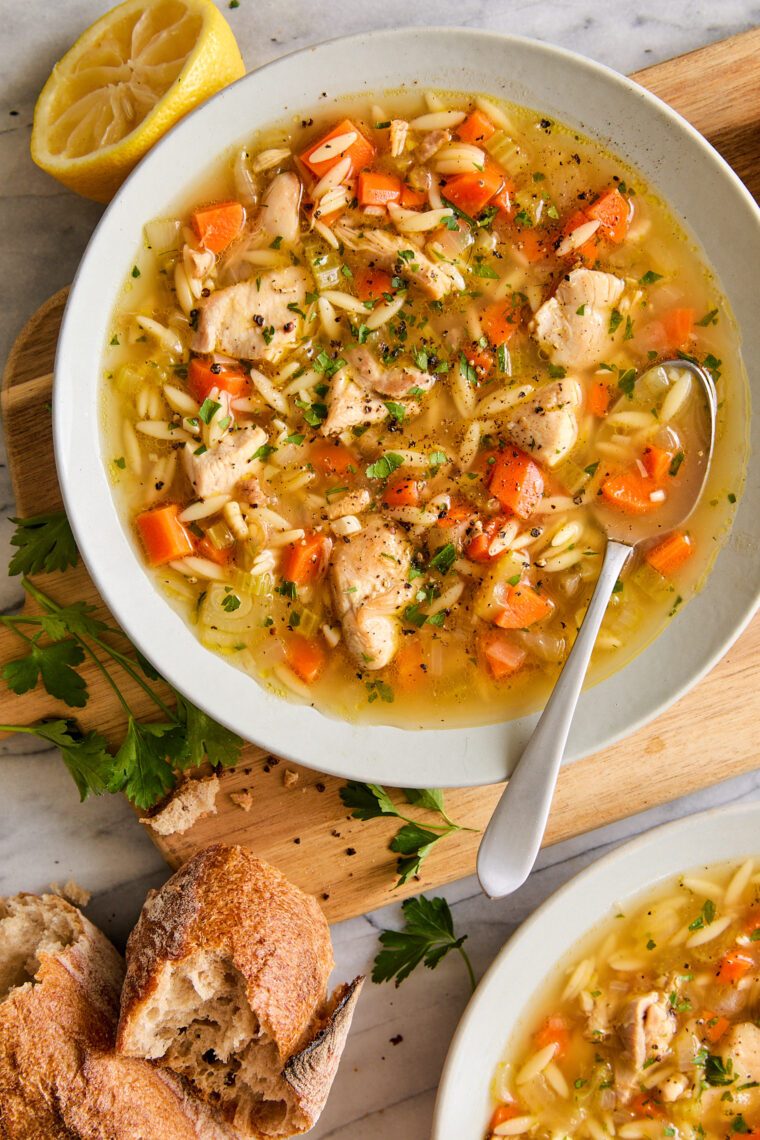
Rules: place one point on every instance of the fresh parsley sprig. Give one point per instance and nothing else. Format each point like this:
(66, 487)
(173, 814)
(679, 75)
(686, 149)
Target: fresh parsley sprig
(428, 936)
(413, 842)
(146, 763)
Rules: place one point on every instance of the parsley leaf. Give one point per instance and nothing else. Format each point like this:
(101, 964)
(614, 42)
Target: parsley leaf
(616, 319)
(55, 665)
(45, 542)
(384, 466)
(650, 277)
(444, 558)
(369, 801)
(719, 1072)
(428, 936)
(143, 766)
(206, 739)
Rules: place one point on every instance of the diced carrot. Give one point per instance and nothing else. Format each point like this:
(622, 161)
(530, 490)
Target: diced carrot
(203, 375)
(360, 150)
(678, 325)
(516, 481)
(163, 535)
(476, 129)
(306, 560)
(478, 548)
(588, 250)
(331, 457)
(378, 189)
(501, 320)
(670, 554)
(611, 210)
(454, 514)
(504, 199)
(411, 199)
(207, 549)
(306, 657)
(554, 1031)
(502, 1113)
(471, 192)
(630, 493)
(371, 283)
(479, 358)
(599, 396)
(402, 493)
(733, 966)
(502, 655)
(531, 244)
(523, 606)
(752, 922)
(645, 1105)
(657, 462)
(215, 226)
(409, 663)
(669, 333)
(715, 1026)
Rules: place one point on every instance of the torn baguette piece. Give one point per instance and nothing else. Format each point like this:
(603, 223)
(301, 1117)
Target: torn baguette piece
(226, 985)
(60, 1079)
(191, 801)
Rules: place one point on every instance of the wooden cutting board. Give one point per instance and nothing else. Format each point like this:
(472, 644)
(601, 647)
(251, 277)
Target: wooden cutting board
(706, 737)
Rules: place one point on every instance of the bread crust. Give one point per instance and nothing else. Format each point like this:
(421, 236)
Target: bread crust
(59, 1076)
(226, 902)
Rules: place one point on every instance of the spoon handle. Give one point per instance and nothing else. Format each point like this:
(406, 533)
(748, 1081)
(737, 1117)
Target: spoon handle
(513, 837)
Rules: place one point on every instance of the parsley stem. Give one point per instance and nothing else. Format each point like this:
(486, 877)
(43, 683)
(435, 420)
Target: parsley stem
(91, 654)
(129, 668)
(11, 622)
(468, 964)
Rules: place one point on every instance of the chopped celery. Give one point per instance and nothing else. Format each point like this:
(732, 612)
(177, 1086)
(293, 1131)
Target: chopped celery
(507, 153)
(571, 476)
(220, 535)
(309, 624)
(258, 585)
(324, 263)
(651, 582)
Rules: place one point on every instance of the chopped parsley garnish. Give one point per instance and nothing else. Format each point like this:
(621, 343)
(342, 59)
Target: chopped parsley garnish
(135, 271)
(287, 589)
(468, 372)
(395, 410)
(296, 438)
(591, 469)
(616, 319)
(556, 371)
(276, 243)
(705, 916)
(208, 410)
(121, 462)
(480, 269)
(650, 277)
(675, 463)
(710, 318)
(264, 451)
(626, 381)
(231, 603)
(327, 367)
(444, 558)
(201, 450)
(580, 310)
(384, 466)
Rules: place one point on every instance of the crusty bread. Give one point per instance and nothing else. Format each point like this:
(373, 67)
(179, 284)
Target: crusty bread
(60, 1079)
(226, 985)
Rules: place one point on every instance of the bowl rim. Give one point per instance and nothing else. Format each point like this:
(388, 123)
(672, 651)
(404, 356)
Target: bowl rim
(732, 831)
(434, 756)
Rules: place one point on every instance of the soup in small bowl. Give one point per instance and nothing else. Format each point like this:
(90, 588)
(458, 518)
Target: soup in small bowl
(372, 366)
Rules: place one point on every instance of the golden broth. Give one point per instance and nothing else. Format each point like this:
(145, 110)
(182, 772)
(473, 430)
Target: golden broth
(440, 673)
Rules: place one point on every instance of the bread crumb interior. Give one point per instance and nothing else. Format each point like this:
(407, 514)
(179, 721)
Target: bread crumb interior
(200, 1024)
(30, 927)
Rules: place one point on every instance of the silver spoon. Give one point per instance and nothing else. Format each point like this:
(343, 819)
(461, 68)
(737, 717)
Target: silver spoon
(513, 837)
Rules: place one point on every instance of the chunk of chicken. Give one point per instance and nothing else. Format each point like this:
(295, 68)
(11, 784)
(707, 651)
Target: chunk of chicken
(369, 581)
(646, 1028)
(573, 325)
(349, 406)
(278, 216)
(546, 425)
(198, 262)
(384, 250)
(431, 144)
(354, 503)
(395, 382)
(742, 1045)
(218, 470)
(251, 320)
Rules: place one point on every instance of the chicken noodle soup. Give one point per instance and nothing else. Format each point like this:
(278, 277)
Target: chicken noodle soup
(653, 1031)
(366, 388)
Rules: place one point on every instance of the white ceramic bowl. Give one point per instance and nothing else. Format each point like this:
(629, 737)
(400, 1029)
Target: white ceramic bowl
(671, 156)
(530, 959)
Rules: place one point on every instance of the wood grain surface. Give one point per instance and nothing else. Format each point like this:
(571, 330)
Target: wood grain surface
(303, 828)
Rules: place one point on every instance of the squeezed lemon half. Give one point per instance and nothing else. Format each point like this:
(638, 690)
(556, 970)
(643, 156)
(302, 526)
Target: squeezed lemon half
(124, 83)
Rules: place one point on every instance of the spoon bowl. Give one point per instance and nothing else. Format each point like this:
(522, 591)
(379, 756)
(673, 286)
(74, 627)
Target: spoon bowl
(513, 837)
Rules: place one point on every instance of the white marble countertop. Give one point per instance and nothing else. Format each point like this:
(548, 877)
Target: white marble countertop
(383, 1089)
